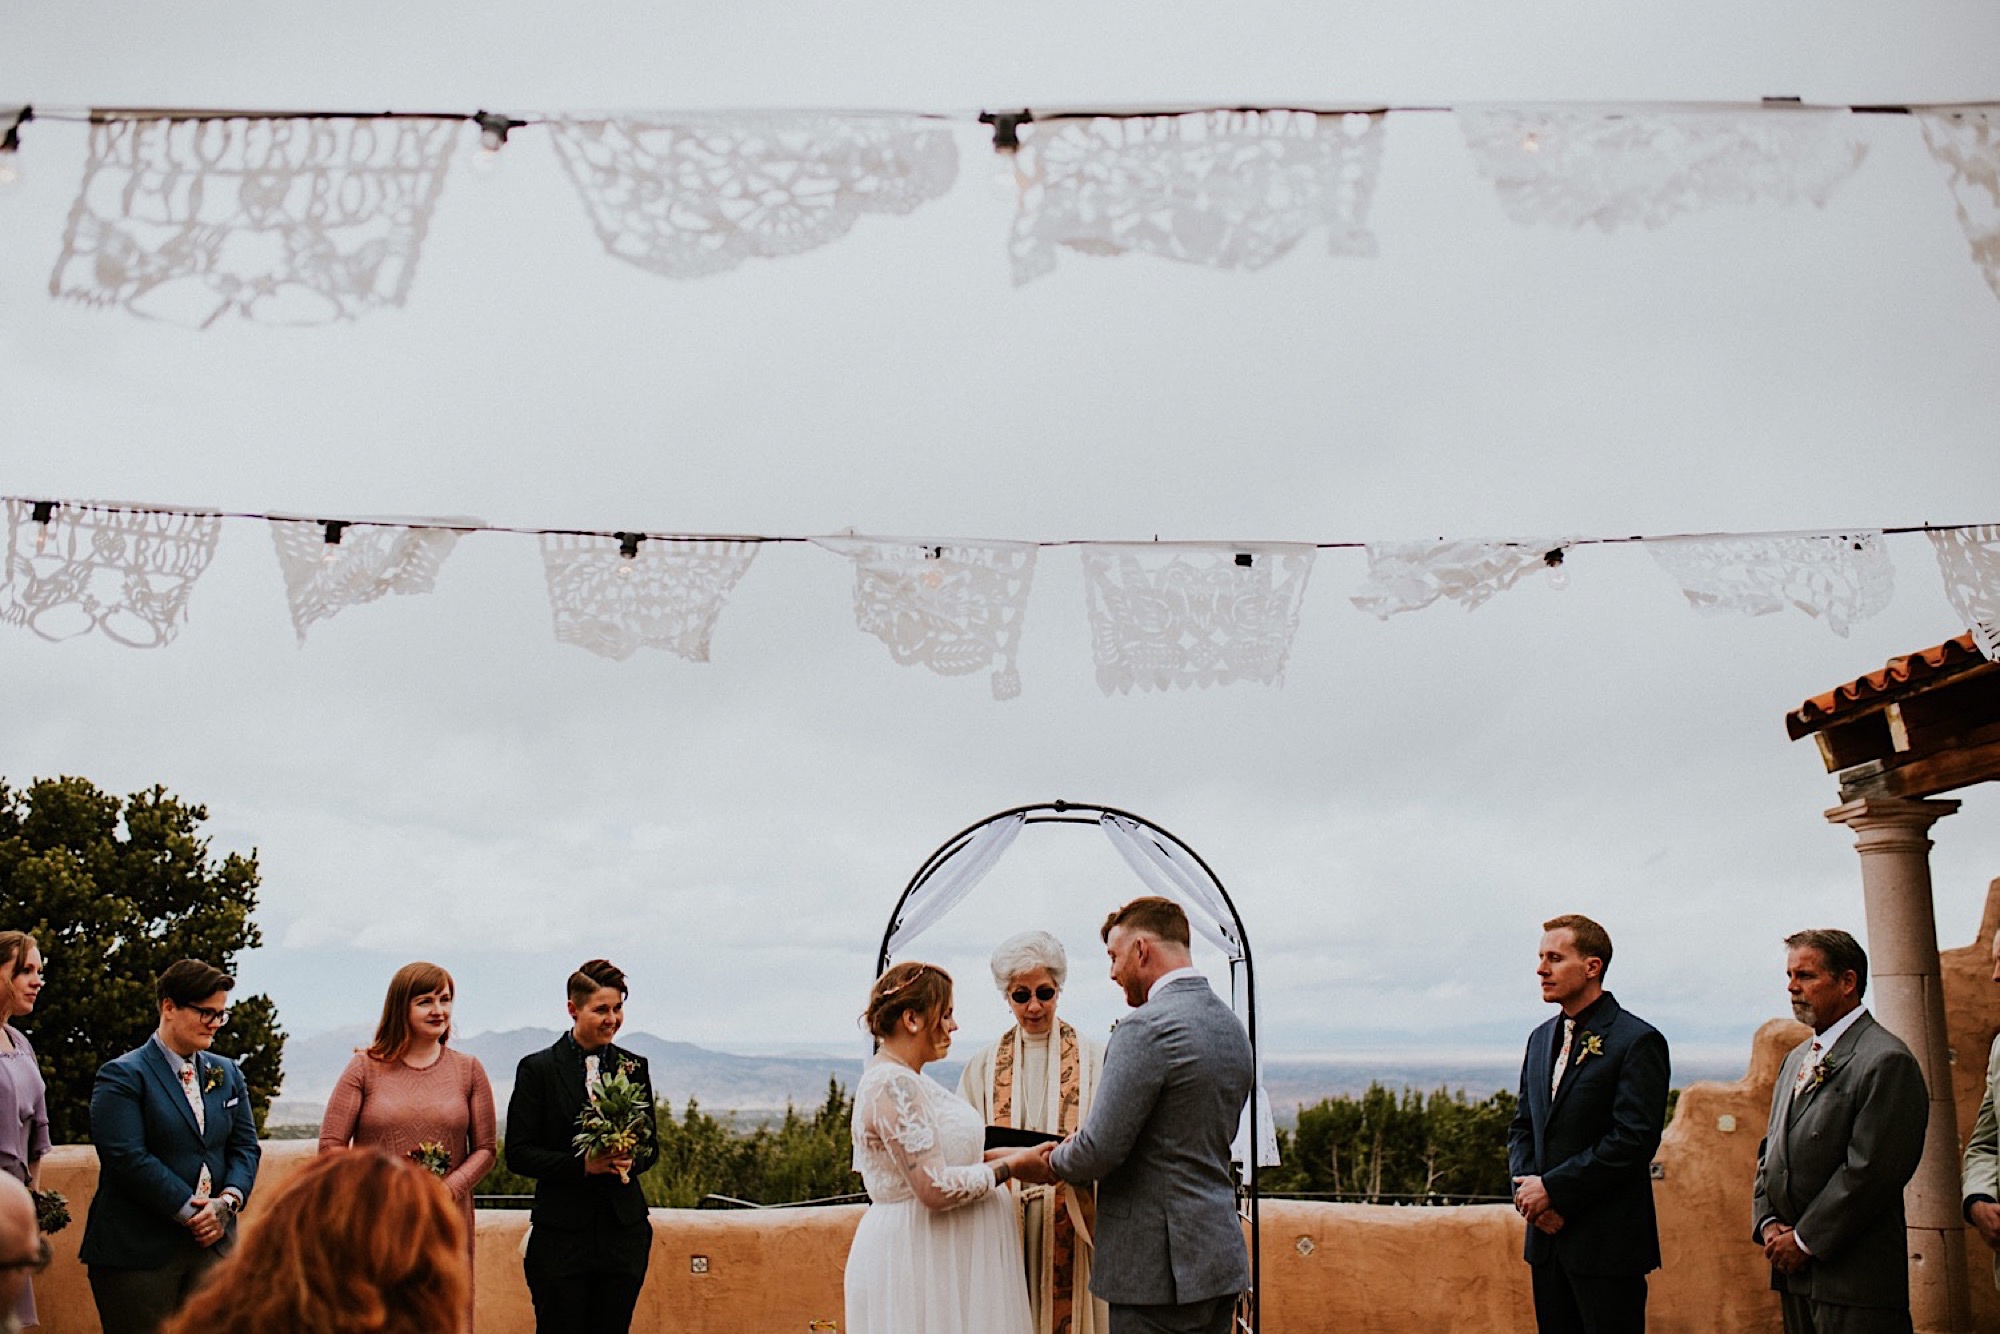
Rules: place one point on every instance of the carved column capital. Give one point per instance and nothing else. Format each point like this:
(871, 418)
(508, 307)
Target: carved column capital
(1880, 823)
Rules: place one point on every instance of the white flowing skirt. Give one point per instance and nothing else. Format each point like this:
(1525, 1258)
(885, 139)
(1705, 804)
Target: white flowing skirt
(914, 1270)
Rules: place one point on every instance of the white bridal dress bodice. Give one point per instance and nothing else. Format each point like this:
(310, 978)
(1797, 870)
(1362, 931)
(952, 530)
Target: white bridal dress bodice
(938, 1251)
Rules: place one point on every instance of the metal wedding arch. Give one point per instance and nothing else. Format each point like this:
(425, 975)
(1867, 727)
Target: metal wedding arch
(1167, 866)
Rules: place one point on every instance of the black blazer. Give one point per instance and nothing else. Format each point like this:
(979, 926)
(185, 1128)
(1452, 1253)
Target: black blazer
(541, 1121)
(1593, 1145)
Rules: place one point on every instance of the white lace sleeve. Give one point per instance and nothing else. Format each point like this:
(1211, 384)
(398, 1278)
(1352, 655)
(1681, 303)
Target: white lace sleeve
(897, 1119)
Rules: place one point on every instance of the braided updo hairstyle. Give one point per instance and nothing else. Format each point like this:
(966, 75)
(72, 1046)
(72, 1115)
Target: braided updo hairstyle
(923, 989)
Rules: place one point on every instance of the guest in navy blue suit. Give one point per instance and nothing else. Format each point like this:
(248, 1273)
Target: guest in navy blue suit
(1593, 1104)
(177, 1154)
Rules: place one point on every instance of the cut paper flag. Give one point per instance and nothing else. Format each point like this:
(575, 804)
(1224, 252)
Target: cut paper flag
(1175, 615)
(371, 559)
(1969, 559)
(282, 221)
(666, 593)
(956, 607)
(1614, 167)
(1840, 578)
(1965, 141)
(1225, 189)
(1407, 576)
(688, 197)
(93, 566)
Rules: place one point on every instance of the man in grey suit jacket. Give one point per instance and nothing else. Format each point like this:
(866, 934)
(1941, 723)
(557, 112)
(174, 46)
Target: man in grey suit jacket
(1981, 1190)
(1846, 1131)
(1177, 1072)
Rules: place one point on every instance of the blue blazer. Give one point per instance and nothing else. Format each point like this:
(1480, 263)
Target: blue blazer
(1593, 1143)
(150, 1154)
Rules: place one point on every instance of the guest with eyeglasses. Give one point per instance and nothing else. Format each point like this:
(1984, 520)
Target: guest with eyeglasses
(1041, 1074)
(24, 1251)
(410, 1094)
(24, 1097)
(177, 1154)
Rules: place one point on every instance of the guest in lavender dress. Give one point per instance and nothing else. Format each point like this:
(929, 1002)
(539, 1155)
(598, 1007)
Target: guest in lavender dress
(24, 1098)
(410, 1094)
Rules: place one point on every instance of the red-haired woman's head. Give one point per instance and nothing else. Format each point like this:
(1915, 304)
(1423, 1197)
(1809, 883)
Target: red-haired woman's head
(358, 1242)
(413, 980)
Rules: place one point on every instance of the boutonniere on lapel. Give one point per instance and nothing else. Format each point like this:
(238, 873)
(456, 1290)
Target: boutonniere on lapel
(1823, 1069)
(211, 1077)
(1587, 1046)
(627, 1067)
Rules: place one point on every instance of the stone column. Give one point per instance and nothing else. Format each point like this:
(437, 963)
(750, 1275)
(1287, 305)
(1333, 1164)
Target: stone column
(1905, 994)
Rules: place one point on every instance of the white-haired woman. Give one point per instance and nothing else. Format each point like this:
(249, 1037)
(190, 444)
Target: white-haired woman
(1042, 1075)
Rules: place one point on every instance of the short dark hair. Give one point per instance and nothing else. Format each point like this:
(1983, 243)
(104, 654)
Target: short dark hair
(191, 981)
(1153, 915)
(1842, 953)
(592, 975)
(1592, 940)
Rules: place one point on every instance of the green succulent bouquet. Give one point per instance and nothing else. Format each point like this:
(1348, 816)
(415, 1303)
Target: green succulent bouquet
(614, 1120)
(51, 1211)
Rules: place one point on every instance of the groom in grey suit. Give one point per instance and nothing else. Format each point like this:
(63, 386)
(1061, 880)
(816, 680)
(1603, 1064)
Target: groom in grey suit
(1177, 1072)
(1846, 1131)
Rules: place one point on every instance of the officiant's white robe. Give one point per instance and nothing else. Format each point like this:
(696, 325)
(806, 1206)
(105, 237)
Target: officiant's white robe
(1037, 1098)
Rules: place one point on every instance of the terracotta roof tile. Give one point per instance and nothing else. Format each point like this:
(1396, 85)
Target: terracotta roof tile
(1950, 658)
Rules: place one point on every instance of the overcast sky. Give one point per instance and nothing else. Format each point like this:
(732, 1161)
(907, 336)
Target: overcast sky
(437, 777)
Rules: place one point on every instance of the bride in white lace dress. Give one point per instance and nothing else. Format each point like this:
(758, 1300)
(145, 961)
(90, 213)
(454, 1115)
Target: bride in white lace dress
(938, 1251)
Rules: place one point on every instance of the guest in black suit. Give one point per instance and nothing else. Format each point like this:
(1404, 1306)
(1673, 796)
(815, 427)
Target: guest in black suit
(1593, 1103)
(591, 1236)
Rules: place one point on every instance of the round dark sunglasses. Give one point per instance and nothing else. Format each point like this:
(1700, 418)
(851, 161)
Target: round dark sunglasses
(1021, 995)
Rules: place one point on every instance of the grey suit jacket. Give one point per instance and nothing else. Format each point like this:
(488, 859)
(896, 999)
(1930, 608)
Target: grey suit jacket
(1177, 1073)
(1982, 1146)
(1834, 1163)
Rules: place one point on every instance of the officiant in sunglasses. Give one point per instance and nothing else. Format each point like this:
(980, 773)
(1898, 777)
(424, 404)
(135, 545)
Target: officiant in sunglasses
(1041, 1075)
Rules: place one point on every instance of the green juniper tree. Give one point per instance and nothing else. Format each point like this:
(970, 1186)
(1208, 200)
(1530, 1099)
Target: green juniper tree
(114, 891)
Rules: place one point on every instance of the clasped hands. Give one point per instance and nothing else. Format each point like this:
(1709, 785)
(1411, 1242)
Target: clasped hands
(1782, 1249)
(209, 1220)
(604, 1164)
(1531, 1201)
(1029, 1165)
(1985, 1216)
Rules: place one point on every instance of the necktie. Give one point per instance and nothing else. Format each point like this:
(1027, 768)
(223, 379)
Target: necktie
(205, 1183)
(590, 1076)
(1562, 1057)
(1804, 1076)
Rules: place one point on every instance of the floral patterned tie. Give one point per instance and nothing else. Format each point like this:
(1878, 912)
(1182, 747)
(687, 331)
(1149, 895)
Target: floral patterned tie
(590, 1076)
(1804, 1077)
(1562, 1057)
(202, 1186)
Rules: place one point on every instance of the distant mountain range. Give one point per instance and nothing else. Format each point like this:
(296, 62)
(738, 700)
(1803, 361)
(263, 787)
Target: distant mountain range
(719, 1081)
(756, 1086)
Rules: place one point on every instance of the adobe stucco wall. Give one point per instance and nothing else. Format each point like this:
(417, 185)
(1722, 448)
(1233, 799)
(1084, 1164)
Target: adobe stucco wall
(1361, 1268)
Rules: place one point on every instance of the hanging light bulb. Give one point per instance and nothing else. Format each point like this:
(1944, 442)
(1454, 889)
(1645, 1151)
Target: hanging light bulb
(1558, 573)
(10, 146)
(44, 514)
(628, 552)
(1009, 177)
(493, 131)
(329, 551)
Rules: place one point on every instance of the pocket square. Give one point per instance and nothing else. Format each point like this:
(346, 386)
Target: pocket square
(231, 1103)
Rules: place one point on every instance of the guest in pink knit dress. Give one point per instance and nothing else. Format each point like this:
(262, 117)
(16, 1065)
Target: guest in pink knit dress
(410, 1094)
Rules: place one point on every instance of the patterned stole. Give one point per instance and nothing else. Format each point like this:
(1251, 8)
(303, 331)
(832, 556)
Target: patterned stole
(1057, 1263)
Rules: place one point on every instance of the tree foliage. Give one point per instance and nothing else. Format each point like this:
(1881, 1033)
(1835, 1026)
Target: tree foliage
(804, 1156)
(1385, 1147)
(114, 891)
